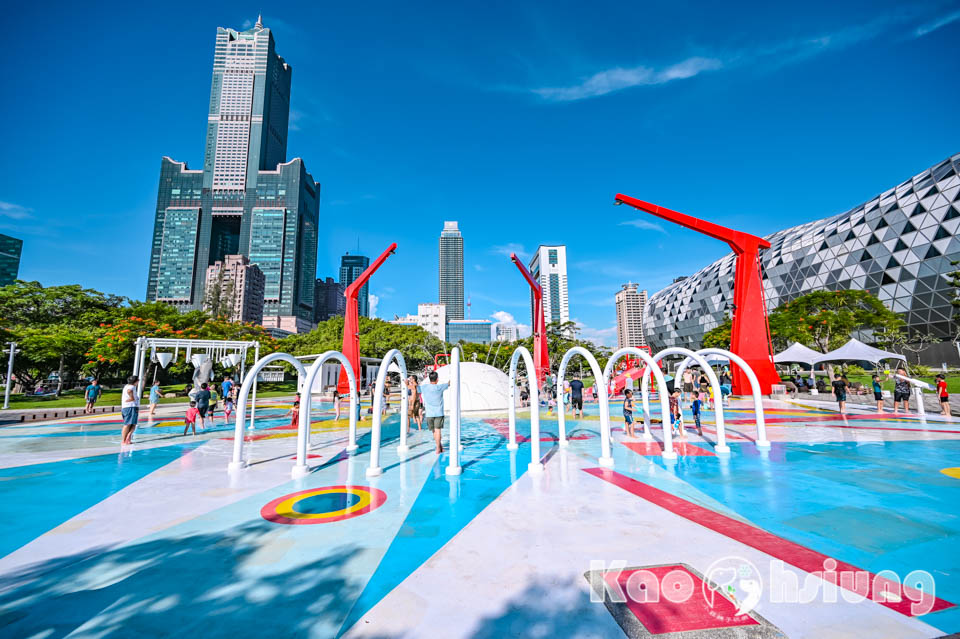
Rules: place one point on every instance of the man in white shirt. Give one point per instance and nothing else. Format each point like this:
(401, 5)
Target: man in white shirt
(129, 408)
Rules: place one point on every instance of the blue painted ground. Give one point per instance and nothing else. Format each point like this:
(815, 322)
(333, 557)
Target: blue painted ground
(40, 497)
(876, 505)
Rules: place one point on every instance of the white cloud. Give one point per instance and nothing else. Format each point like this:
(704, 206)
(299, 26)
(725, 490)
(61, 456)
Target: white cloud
(618, 78)
(930, 27)
(601, 336)
(641, 223)
(477, 267)
(295, 118)
(14, 211)
(374, 301)
(507, 319)
(511, 247)
(765, 56)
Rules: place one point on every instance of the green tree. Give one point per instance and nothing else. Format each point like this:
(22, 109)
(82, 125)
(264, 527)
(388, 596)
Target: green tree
(218, 300)
(31, 304)
(719, 337)
(953, 278)
(825, 320)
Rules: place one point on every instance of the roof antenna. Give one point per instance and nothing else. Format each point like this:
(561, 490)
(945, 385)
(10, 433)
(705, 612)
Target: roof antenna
(259, 24)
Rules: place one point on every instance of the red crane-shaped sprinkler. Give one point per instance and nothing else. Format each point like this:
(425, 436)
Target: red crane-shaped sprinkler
(351, 322)
(750, 334)
(541, 358)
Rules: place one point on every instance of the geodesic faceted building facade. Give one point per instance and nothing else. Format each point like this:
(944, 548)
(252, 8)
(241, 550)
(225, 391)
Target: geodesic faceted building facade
(898, 246)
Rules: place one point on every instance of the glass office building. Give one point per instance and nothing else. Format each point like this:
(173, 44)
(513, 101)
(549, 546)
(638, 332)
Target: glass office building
(351, 267)
(248, 199)
(470, 330)
(898, 246)
(10, 249)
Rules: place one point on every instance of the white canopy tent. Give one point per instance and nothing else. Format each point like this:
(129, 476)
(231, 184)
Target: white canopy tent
(857, 351)
(797, 353)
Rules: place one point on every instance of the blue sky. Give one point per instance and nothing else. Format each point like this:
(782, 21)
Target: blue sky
(519, 120)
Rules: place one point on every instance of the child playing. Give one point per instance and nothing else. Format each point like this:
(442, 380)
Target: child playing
(878, 393)
(628, 412)
(191, 419)
(943, 395)
(675, 418)
(696, 412)
(294, 412)
(551, 404)
(710, 402)
(227, 408)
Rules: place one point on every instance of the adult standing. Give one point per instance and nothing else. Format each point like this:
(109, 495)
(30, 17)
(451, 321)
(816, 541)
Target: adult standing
(129, 409)
(226, 385)
(432, 395)
(901, 392)
(413, 403)
(687, 384)
(93, 393)
(576, 395)
(840, 392)
(203, 404)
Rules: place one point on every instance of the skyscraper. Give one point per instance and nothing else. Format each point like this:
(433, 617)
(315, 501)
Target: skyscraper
(351, 267)
(549, 267)
(328, 300)
(630, 307)
(451, 270)
(248, 200)
(10, 249)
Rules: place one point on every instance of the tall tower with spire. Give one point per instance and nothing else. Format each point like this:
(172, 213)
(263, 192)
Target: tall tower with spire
(248, 199)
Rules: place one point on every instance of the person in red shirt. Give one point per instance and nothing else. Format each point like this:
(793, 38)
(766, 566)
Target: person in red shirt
(191, 420)
(943, 395)
(294, 412)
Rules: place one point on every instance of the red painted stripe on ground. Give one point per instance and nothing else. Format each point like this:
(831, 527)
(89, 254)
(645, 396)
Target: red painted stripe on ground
(804, 558)
(652, 449)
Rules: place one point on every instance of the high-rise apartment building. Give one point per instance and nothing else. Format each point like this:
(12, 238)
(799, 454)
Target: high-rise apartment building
(631, 304)
(248, 199)
(235, 287)
(549, 267)
(433, 319)
(328, 299)
(451, 270)
(10, 250)
(351, 267)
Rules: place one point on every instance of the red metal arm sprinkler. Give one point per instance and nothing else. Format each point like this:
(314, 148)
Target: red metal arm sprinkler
(541, 358)
(351, 322)
(750, 335)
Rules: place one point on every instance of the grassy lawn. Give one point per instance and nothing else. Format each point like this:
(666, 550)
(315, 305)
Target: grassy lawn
(74, 398)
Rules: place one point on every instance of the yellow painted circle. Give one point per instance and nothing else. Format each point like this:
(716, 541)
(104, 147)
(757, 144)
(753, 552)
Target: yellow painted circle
(286, 507)
(951, 472)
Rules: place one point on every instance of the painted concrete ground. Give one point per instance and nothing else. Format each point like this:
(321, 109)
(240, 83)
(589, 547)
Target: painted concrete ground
(159, 540)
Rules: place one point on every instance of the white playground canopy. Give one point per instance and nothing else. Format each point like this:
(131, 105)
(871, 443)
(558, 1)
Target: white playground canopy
(857, 351)
(797, 353)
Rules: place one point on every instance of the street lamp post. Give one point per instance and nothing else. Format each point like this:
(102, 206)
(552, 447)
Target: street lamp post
(6, 392)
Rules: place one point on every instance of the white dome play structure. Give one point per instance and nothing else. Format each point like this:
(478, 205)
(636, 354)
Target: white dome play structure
(483, 387)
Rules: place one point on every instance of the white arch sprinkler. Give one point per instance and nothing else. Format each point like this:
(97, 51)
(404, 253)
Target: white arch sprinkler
(454, 467)
(249, 381)
(535, 466)
(303, 427)
(668, 452)
(374, 468)
(721, 447)
(762, 441)
(605, 457)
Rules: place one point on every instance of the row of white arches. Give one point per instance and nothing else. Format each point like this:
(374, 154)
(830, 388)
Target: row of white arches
(306, 378)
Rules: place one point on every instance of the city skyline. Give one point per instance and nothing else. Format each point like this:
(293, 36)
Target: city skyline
(718, 123)
(248, 200)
